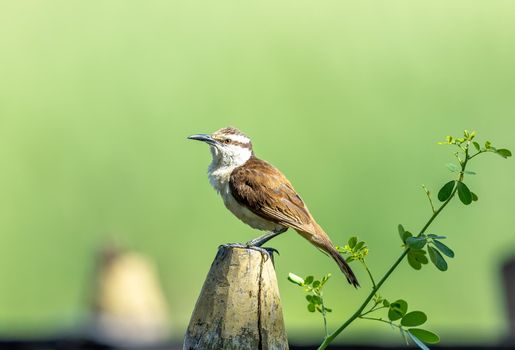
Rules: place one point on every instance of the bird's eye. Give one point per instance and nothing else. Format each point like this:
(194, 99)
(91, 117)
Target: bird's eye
(226, 141)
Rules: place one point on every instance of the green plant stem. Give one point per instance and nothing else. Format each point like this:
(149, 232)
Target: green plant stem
(372, 310)
(325, 319)
(428, 194)
(358, 312)
(476, 154)
(369, 273)
(380, 320)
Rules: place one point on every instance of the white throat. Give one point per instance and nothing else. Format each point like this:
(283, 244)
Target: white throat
(225, 160)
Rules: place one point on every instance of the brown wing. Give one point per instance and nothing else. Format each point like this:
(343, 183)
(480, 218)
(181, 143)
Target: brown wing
(267, 193)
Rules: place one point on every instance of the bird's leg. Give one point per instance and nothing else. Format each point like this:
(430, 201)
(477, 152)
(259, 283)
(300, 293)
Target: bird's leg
(259, 241)
(256, 244)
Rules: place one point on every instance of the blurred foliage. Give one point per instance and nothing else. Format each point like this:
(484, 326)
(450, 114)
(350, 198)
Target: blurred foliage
(97, 99)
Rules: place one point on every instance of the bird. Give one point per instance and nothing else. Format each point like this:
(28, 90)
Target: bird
(258, 194)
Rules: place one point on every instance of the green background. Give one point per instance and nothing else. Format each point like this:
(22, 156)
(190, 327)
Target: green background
(347, 98)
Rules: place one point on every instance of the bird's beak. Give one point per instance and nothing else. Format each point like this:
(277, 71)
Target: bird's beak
(203, 137)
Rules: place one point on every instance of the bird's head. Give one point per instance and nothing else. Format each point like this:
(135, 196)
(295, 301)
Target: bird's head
(229, 146)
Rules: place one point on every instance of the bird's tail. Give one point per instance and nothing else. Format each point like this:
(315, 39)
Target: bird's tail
(342, 264)
(322, 241)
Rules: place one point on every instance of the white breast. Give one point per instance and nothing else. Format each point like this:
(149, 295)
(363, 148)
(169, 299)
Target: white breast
(219, 179)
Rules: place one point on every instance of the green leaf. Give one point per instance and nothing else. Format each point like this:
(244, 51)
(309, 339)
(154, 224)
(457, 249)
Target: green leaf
(311, 307)
(468, 172)
(328, 309)
(452, 167)
(422, 258)
(418, 342)
(413, 262)
(464, 193)
(446, 191)
(308, 280)
(437, 258)
(407, 235)
(424, 335)
(316, 300)
(488, 145)
(401, 230)
(416, 242)
(359, 246)
(394, 315)
(476, 146)
(433, 236)
(309, 297)
(401, 305)
(419, 255)
(474, 196)
(404, 235)
(316, 284)
(413, 319)
(325, 279)
(417, 258)
(386, 303)
(448, 141)
(444, 249)
(293, 278)
(397, 310)
(352, 242)
(503, 152)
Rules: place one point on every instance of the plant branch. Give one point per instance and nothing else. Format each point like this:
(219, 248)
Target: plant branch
(380, 320)
(429, 198)
(369, 273)
(476, 154)
(360, 309)
(325, 319)
(372, 310)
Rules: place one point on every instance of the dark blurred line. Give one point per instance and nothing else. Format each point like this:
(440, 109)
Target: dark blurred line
(86, 344)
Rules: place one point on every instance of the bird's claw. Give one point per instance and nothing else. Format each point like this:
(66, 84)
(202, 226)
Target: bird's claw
(267, 252)
(232, 245)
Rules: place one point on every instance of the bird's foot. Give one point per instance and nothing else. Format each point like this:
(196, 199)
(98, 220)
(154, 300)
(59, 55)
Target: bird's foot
(232, 245)
(265, 251)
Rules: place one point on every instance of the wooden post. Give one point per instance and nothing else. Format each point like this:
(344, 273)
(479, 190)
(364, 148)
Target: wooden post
(239, 306)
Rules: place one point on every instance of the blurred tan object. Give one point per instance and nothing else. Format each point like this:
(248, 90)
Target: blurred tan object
(129, 305)
(239, 306)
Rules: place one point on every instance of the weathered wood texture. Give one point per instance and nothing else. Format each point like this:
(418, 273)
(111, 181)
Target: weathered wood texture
(239, 306)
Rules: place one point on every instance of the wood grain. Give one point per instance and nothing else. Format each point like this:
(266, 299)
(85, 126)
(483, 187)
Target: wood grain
(239, 306)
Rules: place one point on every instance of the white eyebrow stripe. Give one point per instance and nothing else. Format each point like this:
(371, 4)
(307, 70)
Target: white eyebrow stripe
(239, 138)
